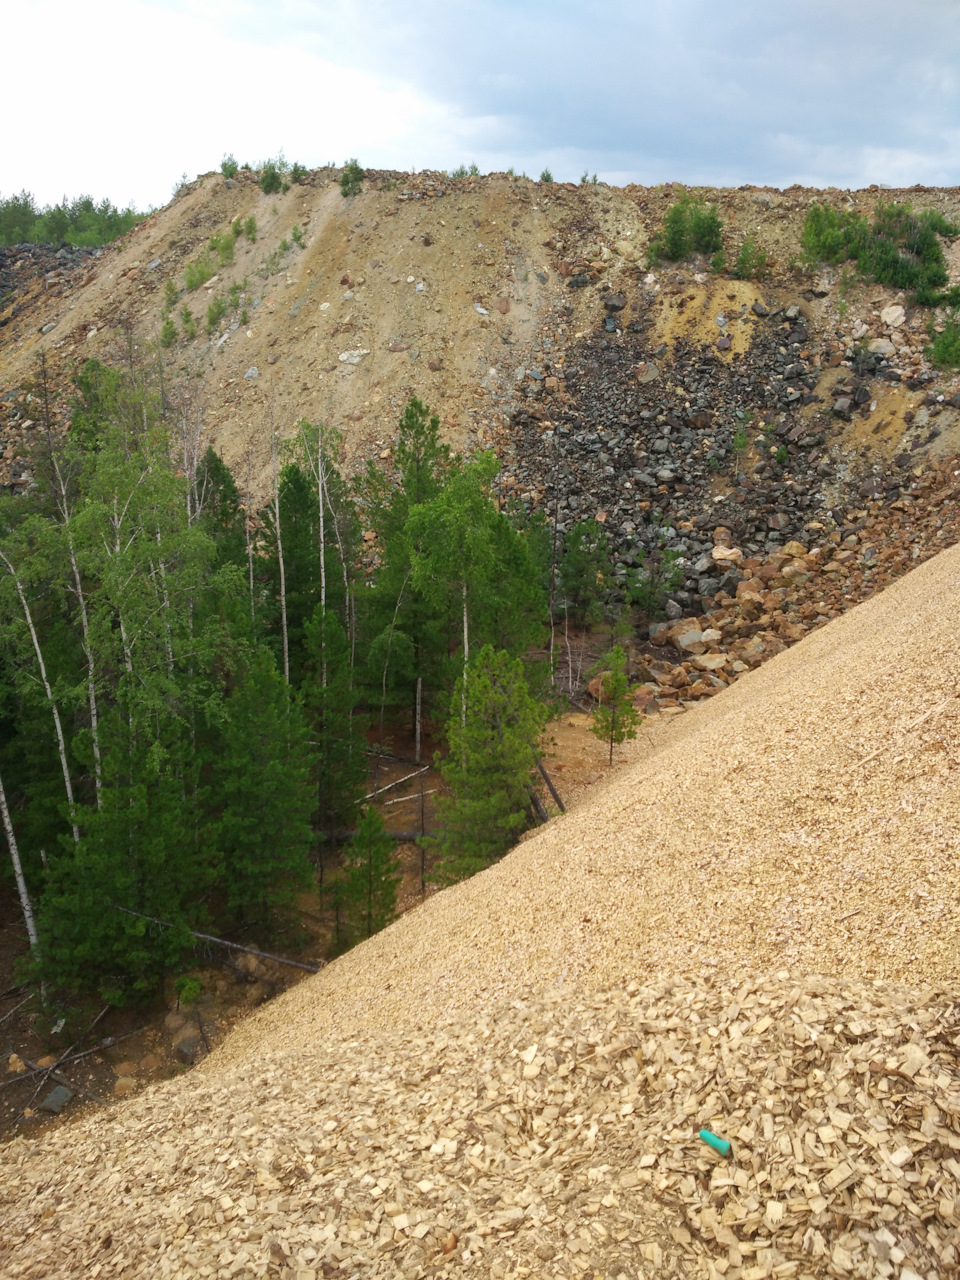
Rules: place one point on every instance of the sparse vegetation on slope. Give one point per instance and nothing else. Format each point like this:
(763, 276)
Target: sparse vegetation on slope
(899, 248)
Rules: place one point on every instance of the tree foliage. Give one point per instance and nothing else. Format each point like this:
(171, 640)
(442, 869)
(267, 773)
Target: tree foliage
(371, 878)
(488, 768)
(614, 718)
(82, 221)
(690, 226)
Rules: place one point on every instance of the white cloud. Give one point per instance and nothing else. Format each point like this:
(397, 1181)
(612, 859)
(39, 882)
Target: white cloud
(127, 94)
(132, 95)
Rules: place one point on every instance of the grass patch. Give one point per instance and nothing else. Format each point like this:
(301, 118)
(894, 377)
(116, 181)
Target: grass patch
(944, 348)
(751, 261)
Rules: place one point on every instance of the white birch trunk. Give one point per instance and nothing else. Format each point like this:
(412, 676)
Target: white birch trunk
(61, 742)
(25, 903)
(283, 576)
(87, 648)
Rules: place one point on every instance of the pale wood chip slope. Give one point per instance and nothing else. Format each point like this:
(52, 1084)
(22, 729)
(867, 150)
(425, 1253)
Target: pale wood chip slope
(510, 1081)
(558, 1138)
(803, 818)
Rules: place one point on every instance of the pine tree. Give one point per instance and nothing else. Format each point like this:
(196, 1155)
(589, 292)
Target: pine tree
(259, 781)
(492, 752)
(615, 718)
(371, 877)
(338, 745)
(585, 570)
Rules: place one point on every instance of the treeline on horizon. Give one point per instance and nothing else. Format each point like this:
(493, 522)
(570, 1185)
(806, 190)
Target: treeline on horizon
(190, 688)
(82, 222)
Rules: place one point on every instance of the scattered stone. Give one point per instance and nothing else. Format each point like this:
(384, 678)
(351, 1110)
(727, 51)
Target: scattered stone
(187, 1048)
(352, 357)
(252, 372)
(56, 1100)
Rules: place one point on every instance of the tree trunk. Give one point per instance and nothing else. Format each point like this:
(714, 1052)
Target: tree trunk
(25, 903)
(85, 626)
(61, 742)
(417, 731)
(466, 658)
(249, 543)
(283, 577)
(323, 564)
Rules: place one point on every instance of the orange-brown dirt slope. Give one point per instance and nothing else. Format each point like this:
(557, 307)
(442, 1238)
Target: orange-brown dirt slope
(510, 1080)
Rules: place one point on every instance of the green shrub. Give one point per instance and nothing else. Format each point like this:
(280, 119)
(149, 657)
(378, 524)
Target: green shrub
(689, 227)
(236, 228)
(474, 171)
(188, 322)
(199, 272)
(188, 990)
(718, 262)
(270, 178)
(243, 316)
(706, 229)
(168, 334)
(900, 248)
(284, 245)
(215, 313)
(944, 348)
(782, 455)
(461, 171)
(250, 229)
(296, 235)
(223, 247)
(229, 166)
(170, 295)
(751, 260)
(298, 172)
(351, 179)
(546, 176)
(236, 293)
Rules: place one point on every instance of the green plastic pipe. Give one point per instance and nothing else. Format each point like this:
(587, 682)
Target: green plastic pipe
(719, 1144)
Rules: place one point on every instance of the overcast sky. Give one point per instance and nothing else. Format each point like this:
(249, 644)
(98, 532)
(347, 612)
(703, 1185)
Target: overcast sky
(118, 98)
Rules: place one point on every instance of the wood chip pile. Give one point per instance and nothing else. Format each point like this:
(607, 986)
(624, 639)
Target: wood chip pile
(807, 818)
(557, 1138)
